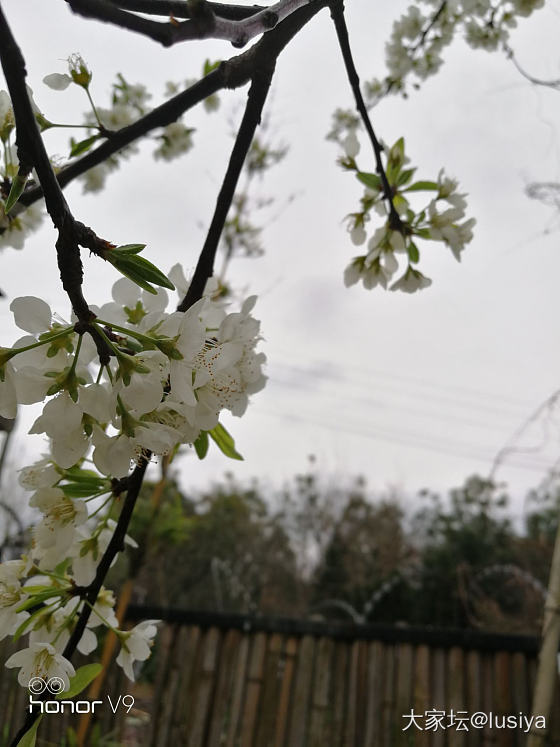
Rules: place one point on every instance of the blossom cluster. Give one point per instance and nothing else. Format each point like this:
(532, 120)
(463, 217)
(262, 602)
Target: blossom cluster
(169, 377)
(17, 224)
(420, 35)
(128, 103)
(441, 219)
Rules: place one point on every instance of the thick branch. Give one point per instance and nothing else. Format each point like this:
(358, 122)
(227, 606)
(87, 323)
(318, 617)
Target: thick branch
(231, 74)
(31, 153)
(251, 119)
(182, 9)
(204, 22)
(337, 14)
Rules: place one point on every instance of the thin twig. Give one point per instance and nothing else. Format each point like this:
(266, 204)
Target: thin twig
(554, 84)
(337, 14)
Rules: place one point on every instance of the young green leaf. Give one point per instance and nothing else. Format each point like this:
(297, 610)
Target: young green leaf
(16, 190)
(422, 187)
(31, 620)
(373, 181)
(29, 739)
(224, 442)
(201, 445)
(82, 146)
(129, 248)
(84, 675)
(413, 253)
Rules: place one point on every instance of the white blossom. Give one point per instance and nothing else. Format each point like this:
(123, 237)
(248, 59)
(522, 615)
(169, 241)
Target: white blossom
(136, 645)
(41, 660)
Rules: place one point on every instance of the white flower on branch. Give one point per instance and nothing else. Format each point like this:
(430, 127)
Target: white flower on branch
(11, 596)
(136, 645)
(41, 660)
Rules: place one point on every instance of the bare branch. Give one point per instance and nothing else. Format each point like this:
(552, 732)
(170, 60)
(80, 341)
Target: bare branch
(204, 21)
(182, 9)
(337, 14)
(251, 119)
(32, 153)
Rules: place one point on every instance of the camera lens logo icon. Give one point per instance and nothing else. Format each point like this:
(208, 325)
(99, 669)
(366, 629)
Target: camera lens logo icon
(38, 685)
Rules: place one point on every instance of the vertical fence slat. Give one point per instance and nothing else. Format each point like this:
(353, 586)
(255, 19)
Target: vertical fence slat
(439, 686)
(301, 693)
(403, 702)
(238, 690)
(222, 702)
(206, 682)
(253, 690)
(375, 687)
(287, 669)
(319, 727)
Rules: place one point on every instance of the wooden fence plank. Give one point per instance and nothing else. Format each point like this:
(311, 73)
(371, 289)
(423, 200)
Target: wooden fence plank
(456, 700)
(205, 687)
(375, 688)
(339, 690)
(301, 693)
(222, 701)
(438, 688)
(502, 701)
(238, 690)
(286, 670)
(270, 695)
(173, 698)
(320, 721)
(388, 717)
(421, 695)
(253, 690)
(404, 698)
(488, 735)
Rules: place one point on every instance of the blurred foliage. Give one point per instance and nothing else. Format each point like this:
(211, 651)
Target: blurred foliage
(337, 550)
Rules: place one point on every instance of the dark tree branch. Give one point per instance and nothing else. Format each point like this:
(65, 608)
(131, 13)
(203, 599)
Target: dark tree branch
(204, 21)
(182, 9)
(231, 74)
(251, 119)
(31, 153)
(228, 75)
(337, 14)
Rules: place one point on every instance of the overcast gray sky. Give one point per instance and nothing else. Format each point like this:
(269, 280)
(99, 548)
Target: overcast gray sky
(410, 391)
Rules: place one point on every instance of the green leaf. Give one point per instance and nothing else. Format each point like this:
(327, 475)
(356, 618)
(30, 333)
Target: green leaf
(405, 176)
(201, 445)
(82, 490)
(224, 442)
(139, 270)
(413, 253)
(84, 675)
(31, 620)
(16, 190)
(129, 248)
(147, 270)
(30, 737)
(83, 145)
(423, 187)
(36, 599)
(209, 66)
(373, 181)
(78, 474)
